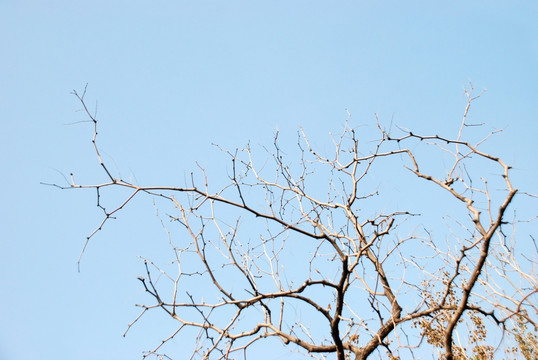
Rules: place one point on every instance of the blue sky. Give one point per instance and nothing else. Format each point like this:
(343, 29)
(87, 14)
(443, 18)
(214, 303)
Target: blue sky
(168, 79)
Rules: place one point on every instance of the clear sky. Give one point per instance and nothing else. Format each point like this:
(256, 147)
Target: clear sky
(170, 78)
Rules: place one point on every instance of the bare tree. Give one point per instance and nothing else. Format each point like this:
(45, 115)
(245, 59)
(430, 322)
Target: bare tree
(316, 254)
